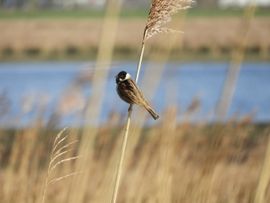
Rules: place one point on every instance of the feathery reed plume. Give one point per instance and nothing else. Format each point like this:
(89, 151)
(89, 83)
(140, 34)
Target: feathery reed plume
(159, 15)
(59, 150)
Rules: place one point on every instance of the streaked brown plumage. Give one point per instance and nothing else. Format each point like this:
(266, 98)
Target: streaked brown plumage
(130, 93)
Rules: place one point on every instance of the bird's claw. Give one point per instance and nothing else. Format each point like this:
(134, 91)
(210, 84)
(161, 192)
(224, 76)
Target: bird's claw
(130, 108)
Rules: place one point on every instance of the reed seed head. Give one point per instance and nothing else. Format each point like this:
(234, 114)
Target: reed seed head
(160, 14)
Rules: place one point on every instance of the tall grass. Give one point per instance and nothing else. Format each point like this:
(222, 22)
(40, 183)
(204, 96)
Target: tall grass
(165, 162)
(171, 162)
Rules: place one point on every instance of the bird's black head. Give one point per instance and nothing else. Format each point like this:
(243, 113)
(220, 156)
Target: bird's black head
(122, 76)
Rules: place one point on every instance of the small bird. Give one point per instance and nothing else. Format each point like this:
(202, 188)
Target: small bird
(130, 93)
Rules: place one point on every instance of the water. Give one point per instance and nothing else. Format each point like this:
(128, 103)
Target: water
(28, 88)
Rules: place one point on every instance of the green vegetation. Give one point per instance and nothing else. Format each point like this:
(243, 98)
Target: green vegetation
(128, 13)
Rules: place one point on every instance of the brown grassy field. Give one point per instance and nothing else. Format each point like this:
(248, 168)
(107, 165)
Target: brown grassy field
(169, 162)
(54, 38)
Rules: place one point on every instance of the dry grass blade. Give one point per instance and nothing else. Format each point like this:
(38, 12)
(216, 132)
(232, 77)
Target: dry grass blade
(63, 161)
(66, 146)
(160, 14)
(58, 136)
(61, 137)
(56, 157)
(54, 180)
(59, 150)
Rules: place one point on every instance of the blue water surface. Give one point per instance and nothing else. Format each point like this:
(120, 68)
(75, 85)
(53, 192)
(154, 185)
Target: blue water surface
(180, 84)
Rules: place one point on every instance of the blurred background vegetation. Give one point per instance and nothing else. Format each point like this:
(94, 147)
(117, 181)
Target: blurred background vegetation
(49, 36)
(210, 86)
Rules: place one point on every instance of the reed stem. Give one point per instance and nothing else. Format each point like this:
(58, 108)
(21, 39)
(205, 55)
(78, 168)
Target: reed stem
(230, 83)
(140, 63)
(121, 161)
(125, 138)
(264, 177)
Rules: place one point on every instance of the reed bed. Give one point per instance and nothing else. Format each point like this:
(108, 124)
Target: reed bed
(165, 162)
(171, 162)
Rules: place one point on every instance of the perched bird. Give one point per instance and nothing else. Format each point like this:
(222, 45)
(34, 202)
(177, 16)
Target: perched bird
(130, 93)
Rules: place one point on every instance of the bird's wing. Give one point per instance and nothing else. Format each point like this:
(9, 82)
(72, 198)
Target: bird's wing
(137, 92)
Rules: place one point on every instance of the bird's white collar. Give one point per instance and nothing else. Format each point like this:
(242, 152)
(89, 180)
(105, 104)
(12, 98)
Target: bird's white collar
(128, 76)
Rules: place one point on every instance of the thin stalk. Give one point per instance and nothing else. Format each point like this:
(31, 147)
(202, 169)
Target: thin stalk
(264, 177)
(125, 138)
(140, 63)
(231, 80)
(94, 108)
(121, 161)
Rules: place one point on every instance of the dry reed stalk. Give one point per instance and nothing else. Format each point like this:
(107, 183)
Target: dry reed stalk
(14, 157)
(160, 14)
(235, 66)
(106, 181)
(166, 154)
(20, 166)
(29, 139)
(264, 179)
(80, 184)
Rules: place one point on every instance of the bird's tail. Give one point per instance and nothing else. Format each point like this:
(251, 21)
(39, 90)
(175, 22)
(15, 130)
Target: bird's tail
(151, 111)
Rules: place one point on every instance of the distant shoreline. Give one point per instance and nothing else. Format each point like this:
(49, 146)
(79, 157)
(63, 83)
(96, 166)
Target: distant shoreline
(63, 39)
(15, 14)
